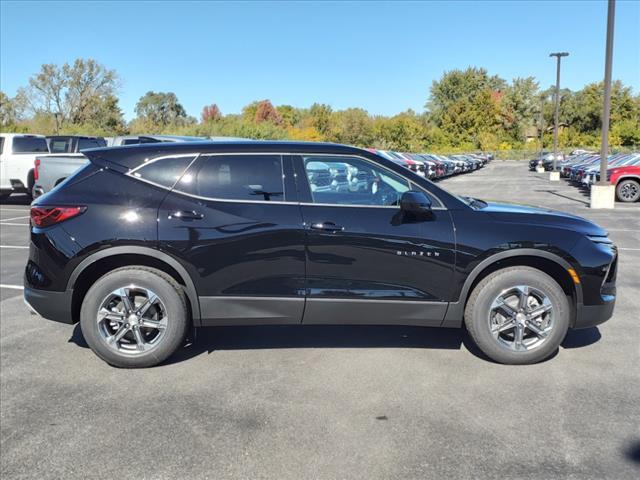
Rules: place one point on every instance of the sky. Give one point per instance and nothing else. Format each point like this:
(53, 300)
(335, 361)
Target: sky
(381, 56)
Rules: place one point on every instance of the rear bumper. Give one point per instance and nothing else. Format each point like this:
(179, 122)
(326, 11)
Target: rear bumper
(54, 306)
(592, 315)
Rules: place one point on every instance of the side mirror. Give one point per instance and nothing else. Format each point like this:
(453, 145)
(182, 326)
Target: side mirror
(415, 202)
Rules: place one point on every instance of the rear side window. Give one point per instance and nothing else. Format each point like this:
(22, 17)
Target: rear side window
(163, 171)
(60, 145)
(1, 145)
(30, 145)
(85, 143)
(236, 177)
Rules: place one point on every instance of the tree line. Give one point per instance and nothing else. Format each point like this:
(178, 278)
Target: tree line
(466, 110)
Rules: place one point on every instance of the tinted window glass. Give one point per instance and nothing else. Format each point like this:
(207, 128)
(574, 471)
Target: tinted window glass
(1, 144)
(236, 177)
(84, 143)
(130, 141)
(352, 181)
(164, 171)
(29, 145)
(60, 145)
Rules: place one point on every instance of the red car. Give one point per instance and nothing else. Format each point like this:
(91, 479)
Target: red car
(627, 182)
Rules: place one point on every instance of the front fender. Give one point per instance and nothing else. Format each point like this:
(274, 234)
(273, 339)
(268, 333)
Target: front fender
(455, 311)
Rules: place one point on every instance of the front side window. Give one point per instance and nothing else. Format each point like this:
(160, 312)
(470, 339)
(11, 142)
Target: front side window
(164, 171)
(348, 180)
(235, 177)
(30, 145)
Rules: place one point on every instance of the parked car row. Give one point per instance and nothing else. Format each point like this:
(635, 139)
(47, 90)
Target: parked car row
(35, 164)
(434, 166)
(623, 171)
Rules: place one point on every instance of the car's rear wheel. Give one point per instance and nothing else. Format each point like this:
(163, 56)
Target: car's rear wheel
(518, 315)
(628, 190)
(134, 317)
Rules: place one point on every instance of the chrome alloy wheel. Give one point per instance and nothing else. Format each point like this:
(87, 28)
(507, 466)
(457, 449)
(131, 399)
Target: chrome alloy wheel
(132, 320)
(630, 191)
(521, 318)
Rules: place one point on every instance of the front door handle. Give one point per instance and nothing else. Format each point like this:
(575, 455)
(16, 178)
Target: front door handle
(327, 227)
(186, 215)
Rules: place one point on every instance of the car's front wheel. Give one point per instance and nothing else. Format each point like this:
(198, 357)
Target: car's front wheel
(517, 315)
(134, 317)
(628, 191)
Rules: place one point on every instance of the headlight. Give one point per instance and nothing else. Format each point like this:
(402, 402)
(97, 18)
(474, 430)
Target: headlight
(605, 240)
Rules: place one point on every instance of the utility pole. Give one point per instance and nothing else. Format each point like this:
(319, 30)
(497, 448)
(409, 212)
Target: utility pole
(558, 56)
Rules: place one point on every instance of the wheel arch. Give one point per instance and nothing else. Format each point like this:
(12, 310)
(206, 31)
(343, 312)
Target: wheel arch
(547, 262)
(628, 176)
(99, 263)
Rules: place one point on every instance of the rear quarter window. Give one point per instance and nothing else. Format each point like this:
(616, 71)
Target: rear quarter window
(163, 171)
(30, 145)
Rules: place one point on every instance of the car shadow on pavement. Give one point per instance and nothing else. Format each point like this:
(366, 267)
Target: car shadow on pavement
(581, 338)
(573, 199)
(632, 452)
(209, 340)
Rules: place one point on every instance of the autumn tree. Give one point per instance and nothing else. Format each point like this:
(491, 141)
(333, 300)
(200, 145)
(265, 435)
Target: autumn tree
(9, 111)
(266, 112)
(81, 93)
(210, 113)
(160, 109)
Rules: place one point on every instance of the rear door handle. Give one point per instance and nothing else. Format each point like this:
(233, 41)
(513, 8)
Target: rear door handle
(327, 227)
(186, 215)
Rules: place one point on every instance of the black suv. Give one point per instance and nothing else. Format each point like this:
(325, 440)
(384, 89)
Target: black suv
(147, 241)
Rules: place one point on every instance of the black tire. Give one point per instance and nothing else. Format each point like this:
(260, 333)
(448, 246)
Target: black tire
(628, 190)
(477, 314)
(167, 290)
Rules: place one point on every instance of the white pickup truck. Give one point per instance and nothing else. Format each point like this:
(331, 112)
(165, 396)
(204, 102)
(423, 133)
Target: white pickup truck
(17, 155)
(65, 158)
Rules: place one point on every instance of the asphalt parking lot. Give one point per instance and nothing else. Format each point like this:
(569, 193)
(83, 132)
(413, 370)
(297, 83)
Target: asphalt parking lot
(328, 402)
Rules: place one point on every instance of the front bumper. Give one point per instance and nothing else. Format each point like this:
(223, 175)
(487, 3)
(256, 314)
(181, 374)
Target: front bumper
(592, 315)
(54, 306)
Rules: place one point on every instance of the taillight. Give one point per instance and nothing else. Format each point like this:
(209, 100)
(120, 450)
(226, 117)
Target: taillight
(46, 216)
(36, 170)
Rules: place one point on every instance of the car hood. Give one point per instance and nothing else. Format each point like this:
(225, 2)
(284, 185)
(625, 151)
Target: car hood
(542, 216)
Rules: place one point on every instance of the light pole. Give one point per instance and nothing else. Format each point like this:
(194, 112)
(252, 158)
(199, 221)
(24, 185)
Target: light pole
(558, 55)
(604, 149)
(542, 125)
(603, 194)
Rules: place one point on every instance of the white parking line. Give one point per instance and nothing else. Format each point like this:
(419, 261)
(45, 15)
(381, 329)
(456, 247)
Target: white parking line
(15, 224)
(12, 246)
(630, 249)
(13, 210)
(14, 218)
(11, 287)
